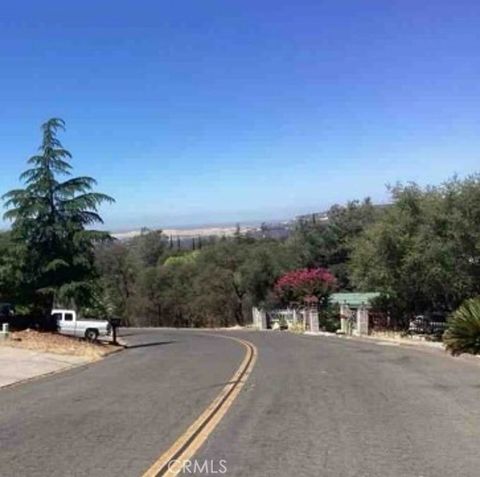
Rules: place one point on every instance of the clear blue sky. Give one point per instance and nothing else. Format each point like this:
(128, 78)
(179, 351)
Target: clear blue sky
(211, 111)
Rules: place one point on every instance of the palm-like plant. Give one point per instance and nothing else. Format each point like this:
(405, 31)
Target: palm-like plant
(50, 219)
(463, 333)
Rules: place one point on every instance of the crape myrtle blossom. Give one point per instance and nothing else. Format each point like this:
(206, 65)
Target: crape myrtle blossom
(307, 285)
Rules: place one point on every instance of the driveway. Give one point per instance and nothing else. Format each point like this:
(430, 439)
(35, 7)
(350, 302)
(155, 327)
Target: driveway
(313, 406)
(18, 364)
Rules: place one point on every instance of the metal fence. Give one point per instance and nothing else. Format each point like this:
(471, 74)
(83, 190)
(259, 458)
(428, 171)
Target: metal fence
(283, 318)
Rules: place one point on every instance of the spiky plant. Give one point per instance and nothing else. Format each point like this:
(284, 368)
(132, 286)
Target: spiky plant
(463, 332)
(51, 220)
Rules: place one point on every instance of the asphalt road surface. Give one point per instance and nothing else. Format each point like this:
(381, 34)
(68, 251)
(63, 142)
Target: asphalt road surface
(313, 406)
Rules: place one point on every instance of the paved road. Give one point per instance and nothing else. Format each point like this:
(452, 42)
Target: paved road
(312, 407)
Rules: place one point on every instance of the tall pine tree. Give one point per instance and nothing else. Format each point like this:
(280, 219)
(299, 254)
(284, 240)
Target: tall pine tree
(51, 220)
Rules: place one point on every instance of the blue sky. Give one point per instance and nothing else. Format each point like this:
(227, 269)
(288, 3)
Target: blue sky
(211, 111)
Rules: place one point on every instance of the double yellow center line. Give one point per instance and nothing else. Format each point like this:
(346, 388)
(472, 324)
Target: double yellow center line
(192, 439)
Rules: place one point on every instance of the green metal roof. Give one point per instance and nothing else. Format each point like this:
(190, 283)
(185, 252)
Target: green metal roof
(353, 299)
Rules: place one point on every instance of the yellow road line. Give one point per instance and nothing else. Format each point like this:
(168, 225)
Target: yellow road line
(185, 447)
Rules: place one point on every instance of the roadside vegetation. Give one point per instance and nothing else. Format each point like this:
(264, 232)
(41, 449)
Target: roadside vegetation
(151, 282)
(421, 252)
(48, 256)
(463, 334)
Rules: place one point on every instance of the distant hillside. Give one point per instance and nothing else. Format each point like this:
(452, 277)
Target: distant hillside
(274, 230)
(189, 233)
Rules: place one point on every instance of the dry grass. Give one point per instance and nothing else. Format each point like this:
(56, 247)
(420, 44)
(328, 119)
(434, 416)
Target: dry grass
(59, 344)
(396, 335)
(402, 335)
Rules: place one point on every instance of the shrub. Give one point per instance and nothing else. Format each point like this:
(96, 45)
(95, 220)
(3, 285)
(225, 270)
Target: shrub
(463, 332)
(306, 285)
(329, 318)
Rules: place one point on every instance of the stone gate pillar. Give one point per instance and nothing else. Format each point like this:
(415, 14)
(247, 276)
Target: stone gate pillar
(313, 320)
(259, 319)
(345, 314)
(362, 320)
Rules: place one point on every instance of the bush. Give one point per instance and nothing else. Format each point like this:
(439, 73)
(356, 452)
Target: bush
(329, 319)
(463, 333)
(308, 284)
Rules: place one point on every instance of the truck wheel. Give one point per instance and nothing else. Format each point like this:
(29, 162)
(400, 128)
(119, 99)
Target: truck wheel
(91, 335)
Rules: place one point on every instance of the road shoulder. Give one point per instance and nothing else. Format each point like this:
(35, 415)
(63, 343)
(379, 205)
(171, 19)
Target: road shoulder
(383, 340)
(30, 355)
(20, 365)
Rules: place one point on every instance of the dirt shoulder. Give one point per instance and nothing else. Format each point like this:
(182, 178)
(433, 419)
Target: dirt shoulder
(59, 344)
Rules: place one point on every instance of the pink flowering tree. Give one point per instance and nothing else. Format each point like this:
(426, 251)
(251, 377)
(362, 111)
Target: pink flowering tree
(308, 286)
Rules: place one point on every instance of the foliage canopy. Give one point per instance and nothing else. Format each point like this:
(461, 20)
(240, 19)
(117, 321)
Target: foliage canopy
(50, 219)
(463, 334)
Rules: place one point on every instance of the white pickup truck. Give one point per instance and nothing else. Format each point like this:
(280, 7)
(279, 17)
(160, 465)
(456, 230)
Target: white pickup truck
(70, 324)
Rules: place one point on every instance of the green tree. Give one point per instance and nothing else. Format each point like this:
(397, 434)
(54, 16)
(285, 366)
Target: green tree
(51, 220)
(329, 243)
(118, 271)
(266, 261)
(219, 283)
(149, 247)
(424, 252)
(8, 270)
